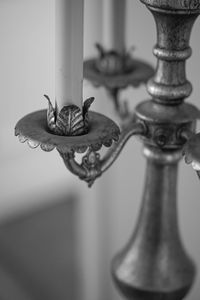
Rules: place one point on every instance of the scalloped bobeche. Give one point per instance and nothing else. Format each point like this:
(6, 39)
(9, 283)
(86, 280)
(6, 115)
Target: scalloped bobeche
(33, 128)
(70, 120)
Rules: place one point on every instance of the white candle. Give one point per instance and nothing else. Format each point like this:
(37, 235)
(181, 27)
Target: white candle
(68, 52)
(114, 25)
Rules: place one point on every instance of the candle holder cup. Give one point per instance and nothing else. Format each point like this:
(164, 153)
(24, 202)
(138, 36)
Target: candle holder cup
(40, 129)
(116, 71)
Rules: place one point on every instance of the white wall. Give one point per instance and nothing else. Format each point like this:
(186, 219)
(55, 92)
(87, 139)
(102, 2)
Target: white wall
(108, 211)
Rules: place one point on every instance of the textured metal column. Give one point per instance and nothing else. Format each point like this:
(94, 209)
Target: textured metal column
(154, 264)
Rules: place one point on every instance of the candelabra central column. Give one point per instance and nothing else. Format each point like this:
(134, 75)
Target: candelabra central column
(154, 264)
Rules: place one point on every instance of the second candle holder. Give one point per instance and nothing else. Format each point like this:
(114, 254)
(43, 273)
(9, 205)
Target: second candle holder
(116, 71)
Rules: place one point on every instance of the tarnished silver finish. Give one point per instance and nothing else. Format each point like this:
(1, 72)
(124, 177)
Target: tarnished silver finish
(154, 264)
(112, 63)
(92, 165)
(70, 120)
(169, 84)
(34, 130)
(116, 71)
(166, 124)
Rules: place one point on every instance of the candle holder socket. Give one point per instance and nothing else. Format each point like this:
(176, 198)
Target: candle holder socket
(116, 71)
(71, 120)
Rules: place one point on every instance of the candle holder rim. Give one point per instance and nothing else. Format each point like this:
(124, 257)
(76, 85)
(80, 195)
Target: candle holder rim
(140, 73)
(34, 130)
(149, 110)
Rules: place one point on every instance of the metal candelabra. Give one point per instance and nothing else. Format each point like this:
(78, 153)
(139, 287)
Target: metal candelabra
(154, 264)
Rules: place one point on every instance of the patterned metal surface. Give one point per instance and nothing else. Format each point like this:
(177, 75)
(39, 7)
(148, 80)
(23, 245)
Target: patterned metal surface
(33, 128)
(70, 120)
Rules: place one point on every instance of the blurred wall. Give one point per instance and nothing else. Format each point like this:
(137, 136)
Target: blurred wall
(108, 211)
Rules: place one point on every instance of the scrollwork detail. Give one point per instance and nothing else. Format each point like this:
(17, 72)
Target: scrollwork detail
(191, 4)
(92, 165)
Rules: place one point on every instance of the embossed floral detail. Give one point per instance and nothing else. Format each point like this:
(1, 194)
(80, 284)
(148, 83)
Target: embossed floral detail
(113, 63)
(70, 121)
(162, 136)
(92, 165)
(191, 4)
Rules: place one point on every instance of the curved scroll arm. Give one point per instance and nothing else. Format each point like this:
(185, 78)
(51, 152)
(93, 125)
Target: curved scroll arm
(92, 165)
(191, 150)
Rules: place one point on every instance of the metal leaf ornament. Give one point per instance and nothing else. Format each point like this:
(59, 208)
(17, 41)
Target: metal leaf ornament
(113, 63)
(71, 120)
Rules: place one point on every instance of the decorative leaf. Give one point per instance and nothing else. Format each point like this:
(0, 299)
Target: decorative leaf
(86, 105)
(70, 121)
(51, 114)
(100, 49)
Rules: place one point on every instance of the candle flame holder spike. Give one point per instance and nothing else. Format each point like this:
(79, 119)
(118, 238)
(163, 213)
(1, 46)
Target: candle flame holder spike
(115, 72)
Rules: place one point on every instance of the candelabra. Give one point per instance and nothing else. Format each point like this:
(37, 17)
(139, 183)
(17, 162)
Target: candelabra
(154, 264)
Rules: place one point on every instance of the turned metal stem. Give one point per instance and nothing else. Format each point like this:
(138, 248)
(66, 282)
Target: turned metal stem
(169, 84)
(154, 264)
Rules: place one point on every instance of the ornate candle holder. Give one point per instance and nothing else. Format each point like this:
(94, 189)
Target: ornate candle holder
(154, 264)
(101, 131)
(116, 71)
